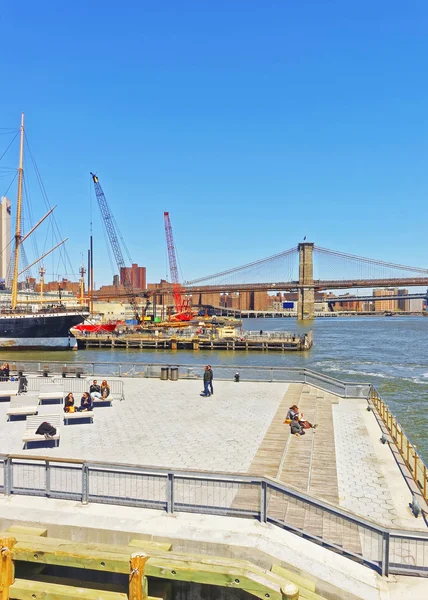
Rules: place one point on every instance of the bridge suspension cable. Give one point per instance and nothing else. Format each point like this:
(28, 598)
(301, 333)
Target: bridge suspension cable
(371, 261)
(286, 271)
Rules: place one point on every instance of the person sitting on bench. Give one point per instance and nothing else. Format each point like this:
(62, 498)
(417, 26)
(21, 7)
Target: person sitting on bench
(95, 390)
(69, 403)
(105, 389)
(86, 402)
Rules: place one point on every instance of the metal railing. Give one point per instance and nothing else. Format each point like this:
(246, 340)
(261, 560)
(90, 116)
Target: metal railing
(193, 371)
(411, 457)
(387, 551)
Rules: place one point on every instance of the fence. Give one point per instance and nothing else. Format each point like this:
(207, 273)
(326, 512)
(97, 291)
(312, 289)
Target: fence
(218, 494)
(193, 371)
(407, 450)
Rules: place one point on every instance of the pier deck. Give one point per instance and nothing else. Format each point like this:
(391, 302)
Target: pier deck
(240, 429)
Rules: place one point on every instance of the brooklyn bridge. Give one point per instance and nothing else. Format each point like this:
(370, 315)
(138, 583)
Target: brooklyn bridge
(304, 269)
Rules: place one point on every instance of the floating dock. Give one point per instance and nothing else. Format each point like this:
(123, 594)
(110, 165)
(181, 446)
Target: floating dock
(261, 343)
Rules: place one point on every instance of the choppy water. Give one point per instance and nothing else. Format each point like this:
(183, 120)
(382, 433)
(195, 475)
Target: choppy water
(391, 352)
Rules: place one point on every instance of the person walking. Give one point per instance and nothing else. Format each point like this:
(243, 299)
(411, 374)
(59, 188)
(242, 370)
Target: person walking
(206, 391)
(211, 380)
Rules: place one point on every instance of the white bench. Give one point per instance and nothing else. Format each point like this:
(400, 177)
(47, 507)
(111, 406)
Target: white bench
(32, 425)
(51, 392)
(79, 416)
(23, 405)
(8, 389)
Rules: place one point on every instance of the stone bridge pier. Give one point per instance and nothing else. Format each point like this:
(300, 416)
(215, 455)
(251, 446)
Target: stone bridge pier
(306, 293)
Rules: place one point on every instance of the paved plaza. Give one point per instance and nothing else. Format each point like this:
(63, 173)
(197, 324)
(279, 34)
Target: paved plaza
(240, 429)
(165, 424)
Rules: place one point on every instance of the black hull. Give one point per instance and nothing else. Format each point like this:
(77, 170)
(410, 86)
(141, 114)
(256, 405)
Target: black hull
(44, 330)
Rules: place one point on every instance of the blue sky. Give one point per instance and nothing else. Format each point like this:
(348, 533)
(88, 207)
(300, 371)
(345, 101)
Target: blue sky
(253, 123)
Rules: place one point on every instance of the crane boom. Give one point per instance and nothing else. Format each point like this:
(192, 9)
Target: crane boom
(114, 241)
(181, 308)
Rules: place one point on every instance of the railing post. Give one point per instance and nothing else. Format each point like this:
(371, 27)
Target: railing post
(85, 484)
(8, 482)
(263, 502)
(385, 554)
(170, 494)
(47, 478)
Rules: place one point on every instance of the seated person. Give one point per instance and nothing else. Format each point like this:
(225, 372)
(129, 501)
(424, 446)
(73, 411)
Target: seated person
(293, 411)
(105, 389)
(296, 428)
(69, 403)
(86, 402)
(4, 372)
(95, 390)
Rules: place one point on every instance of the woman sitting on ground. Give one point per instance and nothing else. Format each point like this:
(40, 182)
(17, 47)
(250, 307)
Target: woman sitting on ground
(86, 402)
(105, 389)
(294, 412)
(69, 403)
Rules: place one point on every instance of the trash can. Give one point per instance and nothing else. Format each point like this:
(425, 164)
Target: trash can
(164, 373)
(173, 374)
(237, 377)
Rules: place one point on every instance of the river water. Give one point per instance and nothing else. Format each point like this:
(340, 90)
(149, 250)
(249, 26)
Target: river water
(390, 352)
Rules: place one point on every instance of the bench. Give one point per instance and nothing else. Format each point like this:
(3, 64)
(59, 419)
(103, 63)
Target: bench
(76, 371)
(23, 405)
(33, 424)
(51, 392)
(8, 389)
(79, 416)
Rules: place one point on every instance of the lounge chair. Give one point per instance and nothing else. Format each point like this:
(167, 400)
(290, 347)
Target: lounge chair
(8, 389)
(51, 392)
(79, 416)
(23, 405)
(32, 425)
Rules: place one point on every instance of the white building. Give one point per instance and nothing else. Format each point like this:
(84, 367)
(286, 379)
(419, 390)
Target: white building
(5, 236)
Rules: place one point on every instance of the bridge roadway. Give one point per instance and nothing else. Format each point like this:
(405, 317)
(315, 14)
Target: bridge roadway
(319, 284)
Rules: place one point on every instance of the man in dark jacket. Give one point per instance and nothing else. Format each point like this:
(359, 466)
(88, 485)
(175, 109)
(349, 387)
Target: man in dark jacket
(207, 380)
(211, 380)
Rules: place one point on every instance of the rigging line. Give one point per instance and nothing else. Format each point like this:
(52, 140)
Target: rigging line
(370, 260)
(46, 198)
(14, 138)
(236, 269)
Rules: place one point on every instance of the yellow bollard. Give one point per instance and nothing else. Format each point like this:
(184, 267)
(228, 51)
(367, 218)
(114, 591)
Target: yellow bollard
(6, 566)
(137, 580)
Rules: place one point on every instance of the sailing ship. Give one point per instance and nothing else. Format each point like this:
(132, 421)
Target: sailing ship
(46, 327)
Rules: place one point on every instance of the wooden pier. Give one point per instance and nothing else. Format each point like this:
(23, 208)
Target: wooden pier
(260, 343)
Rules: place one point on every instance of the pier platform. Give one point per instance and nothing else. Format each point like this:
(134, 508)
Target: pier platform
(226, 457)
(241, 429)
(280, 342)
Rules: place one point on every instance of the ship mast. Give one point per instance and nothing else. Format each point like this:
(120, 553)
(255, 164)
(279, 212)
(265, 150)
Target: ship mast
(18, 218)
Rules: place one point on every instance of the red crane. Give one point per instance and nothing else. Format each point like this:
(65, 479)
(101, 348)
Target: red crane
(183, 312)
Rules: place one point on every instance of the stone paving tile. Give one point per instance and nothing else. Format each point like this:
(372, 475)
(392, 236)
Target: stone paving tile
(362, 487)
(166, 424)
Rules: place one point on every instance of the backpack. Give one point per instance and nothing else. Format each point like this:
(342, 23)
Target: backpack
(46, 429)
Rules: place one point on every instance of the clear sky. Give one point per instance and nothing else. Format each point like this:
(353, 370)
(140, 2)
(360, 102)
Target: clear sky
(254, 123)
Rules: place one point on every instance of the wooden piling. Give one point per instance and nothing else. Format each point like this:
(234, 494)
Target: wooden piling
(138, 588)
(6, 566)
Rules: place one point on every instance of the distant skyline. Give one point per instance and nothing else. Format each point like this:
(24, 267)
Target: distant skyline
(253, 123)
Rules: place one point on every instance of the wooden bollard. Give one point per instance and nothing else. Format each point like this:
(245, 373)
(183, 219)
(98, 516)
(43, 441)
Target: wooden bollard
(289, 591)
(6, 566)
(138, 589)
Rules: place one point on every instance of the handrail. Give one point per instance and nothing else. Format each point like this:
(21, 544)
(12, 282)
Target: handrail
(369, 542)
(411, 457)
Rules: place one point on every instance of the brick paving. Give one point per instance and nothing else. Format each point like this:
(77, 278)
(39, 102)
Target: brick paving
(166, 424)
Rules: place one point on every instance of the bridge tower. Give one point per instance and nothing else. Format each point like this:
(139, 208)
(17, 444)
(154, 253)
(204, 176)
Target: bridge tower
(306, 295)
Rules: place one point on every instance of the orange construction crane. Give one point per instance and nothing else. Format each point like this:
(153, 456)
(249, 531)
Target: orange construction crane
(182, 309)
